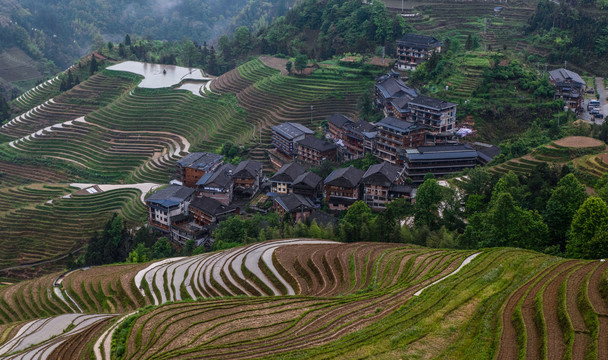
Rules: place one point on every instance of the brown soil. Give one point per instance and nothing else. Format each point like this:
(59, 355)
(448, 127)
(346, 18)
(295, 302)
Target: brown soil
(579, 142)
(508, 347)
(603, 157)
(74, 347)
(601, 307)
(275, 63)
(581, 335)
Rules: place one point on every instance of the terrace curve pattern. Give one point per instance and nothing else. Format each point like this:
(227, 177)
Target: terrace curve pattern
(310, 298)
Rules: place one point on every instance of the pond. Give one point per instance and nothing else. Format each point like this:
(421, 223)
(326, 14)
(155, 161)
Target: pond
(193, 87)
(160, 76)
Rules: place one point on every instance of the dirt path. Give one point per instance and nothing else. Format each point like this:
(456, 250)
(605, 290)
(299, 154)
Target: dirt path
(579, 142)
(601, 90)
(581, 334)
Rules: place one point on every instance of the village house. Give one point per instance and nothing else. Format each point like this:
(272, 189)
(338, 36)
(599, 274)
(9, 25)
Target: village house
(313, 151)
(438, 160)
(389, 89)
(377, 182)
(438, 115)
(247, 178)
(569, 86)
(299, 207)
(335, 125)
(308, 184)
(396, 134)
(207, 211)
(414, 49)
(166, 204)
(358, 138)
(285, 136)
(342, 188)
(218, 184)
(193, 166)
(183, 228)
(282, 181)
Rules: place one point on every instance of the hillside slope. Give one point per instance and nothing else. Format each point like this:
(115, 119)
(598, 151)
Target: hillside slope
(319, 299)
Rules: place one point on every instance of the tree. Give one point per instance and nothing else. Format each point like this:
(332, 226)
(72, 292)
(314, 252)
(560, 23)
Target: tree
(469, 44)
(589, 231)
(564, 202)
(288, 66)
(110, 45)
(94, 66)
(354, 222)
(301, 62)
(426, 208)
(127, 40)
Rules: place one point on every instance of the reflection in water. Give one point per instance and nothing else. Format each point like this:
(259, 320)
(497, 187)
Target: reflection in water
(160, 76)
(193, 87)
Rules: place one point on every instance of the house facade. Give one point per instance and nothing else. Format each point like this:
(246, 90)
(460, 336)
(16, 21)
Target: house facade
(297, 206)
(335, 125)
(377, 183)
(313, 151)
(282, 181)
(207, 211)
(285, 136)
(414, 49)
(167, 204)
(438, 160)
(438, 115)
(308, 184)
(218, 184)
(247, 178)
(342, 188)
(569, 86)
(193, 166)
(358, 138)
(395, 135)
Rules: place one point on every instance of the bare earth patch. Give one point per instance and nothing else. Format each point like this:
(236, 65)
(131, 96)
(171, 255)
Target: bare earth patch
(275, 63)
(579, 142)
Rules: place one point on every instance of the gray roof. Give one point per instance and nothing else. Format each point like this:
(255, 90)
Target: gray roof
(444, 148)
(289, 172)
(309, 179)
(292, 130)
(171, 195)
(199, 160)
(345, 177)
(401, 103)
(211, 206)
(392, 88)
(443, 152)
(248, 169)
(221, 177)
(432, 102)
(361, 126)
(383, 174)
(398, 124)
(311, 142)
(419, 41)
(293, 202)
(339, 120)
(563, 75)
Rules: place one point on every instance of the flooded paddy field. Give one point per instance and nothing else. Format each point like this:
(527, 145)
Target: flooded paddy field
(158, 76)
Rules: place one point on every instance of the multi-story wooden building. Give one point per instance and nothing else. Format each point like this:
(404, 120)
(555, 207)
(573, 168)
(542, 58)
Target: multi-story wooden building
(168, 203)
(414, 49)
(193, 166)
(358, 138)
(438, 160)
(391, 88)
(313, 151)
(218, 184)
(285, 136)
(335, 125)
(396, 134)
(377, 183)
(569, 86)
(282, 181)
(342, 188)
(439, 115)
(247, 178)
(299, 207)
(308, 184)
(207, 211)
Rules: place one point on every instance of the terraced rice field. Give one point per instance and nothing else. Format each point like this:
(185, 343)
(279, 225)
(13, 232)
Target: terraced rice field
(585, 153)
(306, 298)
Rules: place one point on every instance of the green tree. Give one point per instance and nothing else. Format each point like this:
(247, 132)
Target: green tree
(564, 202)
(127, 40)
(300, 62)
(356, 219)
(426, 207)
(288, 66)
(589, 231)
(162, 249)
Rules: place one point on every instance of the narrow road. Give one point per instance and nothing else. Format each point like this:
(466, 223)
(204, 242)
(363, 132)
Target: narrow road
(601, 90)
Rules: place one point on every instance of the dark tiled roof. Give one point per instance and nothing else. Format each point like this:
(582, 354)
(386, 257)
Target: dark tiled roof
(563, 75)
(309, 179)
(383, 174)
(200, 160)
(444, 148)
(289, 172)
(247, 169)
(221, 177)
(420, 41)
(401, 103)
(398, 124)
(402, 189)
(170, 195)
(211, 206)
(442, 152)
(361, 126)
(345, 177)
(339, 120)
(392, 88)
(292, 202)
(291, 130)
(431, 102)
(310, 141)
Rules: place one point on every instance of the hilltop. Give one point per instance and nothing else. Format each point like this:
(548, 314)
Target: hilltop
(319, 299)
